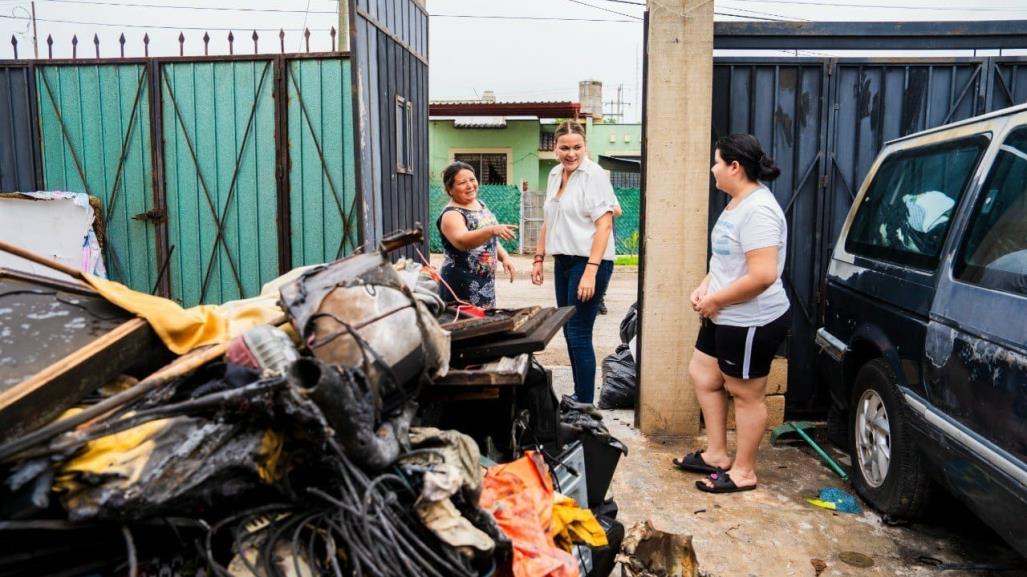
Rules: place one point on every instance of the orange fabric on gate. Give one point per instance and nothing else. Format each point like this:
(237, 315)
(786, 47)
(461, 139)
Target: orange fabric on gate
(182, 330)
(519, 495)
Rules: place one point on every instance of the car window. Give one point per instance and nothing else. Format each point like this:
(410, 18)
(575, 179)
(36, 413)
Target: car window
(905, 214)
(994, 250)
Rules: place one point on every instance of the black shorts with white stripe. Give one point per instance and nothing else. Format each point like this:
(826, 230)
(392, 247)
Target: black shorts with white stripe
(743, 352)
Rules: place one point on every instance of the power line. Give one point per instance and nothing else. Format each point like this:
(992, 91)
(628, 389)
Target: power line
(760, 18)
(604, 9)
(781, 17)
(180, 7)
(626, 2)
(552, 18)
(847, 5)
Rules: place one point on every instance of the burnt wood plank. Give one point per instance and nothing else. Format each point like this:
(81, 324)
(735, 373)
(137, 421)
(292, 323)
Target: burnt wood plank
(534, 342)
(45, 395)
(505, 371)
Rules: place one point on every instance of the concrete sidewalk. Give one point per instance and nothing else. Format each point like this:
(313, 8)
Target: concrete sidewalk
(771, 531)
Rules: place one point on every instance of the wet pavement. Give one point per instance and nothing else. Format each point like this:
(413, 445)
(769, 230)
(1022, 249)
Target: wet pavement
(771, 531)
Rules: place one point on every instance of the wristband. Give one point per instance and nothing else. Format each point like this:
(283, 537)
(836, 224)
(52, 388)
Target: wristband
(596, 264)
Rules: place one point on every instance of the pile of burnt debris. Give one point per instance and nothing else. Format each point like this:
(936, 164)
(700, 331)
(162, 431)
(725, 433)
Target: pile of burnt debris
(346, 422)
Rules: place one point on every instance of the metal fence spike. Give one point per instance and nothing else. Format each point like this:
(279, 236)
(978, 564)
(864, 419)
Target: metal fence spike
(146, 44)
(49, 45)
(96, 43)
(14, 43)
(74, 47)
(281, 38)
(181, 44)
(121, 41)
(231, 39)
(254, 41)
(206, 42)
(306, 35)
(333, 38)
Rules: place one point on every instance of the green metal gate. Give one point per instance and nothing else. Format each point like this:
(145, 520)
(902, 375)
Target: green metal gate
(219, 170)
(324, 211)
(95, 138)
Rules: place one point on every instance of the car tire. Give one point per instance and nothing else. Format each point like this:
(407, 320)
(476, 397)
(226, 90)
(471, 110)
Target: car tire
(888, 470)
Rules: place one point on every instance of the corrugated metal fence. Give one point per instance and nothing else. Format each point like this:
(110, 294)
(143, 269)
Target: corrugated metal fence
(216, 174)
(390, 41)
(824, 122)
(19, 164)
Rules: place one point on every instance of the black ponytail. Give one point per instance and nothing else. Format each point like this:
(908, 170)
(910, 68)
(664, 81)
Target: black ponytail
(745, 149)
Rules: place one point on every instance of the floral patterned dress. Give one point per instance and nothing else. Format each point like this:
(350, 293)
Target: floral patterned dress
(470, 273)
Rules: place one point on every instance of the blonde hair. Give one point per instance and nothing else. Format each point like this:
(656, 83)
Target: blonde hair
(569, 127)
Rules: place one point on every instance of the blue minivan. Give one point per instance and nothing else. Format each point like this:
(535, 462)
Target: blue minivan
(924, 335)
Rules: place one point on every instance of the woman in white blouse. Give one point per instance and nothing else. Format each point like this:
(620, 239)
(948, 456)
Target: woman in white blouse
(578, 233)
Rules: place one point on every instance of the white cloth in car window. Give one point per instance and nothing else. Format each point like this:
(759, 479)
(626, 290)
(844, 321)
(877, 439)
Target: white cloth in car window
(570, 219)
(927, 210)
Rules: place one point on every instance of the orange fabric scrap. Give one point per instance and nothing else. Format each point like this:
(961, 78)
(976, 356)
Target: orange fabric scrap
(519, 495)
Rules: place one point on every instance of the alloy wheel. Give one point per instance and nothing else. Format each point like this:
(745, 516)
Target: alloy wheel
(873, 438)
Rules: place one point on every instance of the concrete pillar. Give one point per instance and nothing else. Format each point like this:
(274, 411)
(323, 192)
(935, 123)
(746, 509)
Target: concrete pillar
(342, 44)
(678, 112)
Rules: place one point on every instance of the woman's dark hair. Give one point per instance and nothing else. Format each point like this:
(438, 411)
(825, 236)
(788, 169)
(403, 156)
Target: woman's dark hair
(450, 172)
(746, 150)
(569, 127)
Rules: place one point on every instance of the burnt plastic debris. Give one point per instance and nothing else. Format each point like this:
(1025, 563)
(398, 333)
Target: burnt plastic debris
(344, 396)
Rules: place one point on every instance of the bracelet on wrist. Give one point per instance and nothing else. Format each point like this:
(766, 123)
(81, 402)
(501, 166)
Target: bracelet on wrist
(595, 264)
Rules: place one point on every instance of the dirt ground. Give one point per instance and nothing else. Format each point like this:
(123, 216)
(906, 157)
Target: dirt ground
(772, 531)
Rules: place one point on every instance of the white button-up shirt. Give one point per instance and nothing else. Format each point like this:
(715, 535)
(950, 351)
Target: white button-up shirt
(570, 219)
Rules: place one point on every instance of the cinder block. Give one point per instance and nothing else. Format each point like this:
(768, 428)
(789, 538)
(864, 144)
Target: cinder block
(777, 380)
(775, 412)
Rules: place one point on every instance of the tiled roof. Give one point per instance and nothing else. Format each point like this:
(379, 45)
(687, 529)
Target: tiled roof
(479, 108)
(479, 122)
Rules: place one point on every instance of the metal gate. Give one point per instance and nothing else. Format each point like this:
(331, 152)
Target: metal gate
(219, 169)
(19, 156)
(94, 123)
(824, 121)
(325, 213)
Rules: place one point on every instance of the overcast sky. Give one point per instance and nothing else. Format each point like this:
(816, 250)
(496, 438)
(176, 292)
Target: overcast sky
(532, 50)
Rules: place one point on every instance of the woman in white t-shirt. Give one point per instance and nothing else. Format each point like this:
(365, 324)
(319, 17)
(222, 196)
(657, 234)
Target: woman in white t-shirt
(745, 315)
(578, 232)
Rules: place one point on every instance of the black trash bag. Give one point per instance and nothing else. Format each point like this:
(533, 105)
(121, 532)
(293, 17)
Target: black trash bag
(620, 385)
(629, 325)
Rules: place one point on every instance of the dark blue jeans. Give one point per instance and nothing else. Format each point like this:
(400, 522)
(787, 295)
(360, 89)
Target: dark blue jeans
(578, 330)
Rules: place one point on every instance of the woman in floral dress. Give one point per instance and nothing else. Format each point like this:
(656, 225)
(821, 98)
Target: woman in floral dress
(469, 231)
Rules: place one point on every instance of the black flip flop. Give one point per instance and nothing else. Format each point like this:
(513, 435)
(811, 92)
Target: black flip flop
(693, 463)
(722, 483)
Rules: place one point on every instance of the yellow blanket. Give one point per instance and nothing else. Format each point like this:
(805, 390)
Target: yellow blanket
(182, 330)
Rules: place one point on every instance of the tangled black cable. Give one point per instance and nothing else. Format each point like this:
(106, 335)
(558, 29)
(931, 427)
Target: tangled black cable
(356, 525)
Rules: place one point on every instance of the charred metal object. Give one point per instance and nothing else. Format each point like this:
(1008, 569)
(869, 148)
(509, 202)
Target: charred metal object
(358, 313)
(345, 398)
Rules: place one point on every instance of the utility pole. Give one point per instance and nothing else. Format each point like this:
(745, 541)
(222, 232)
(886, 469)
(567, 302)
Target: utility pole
(35, 40)
(616, 107)
(675, 207)
(343, 45)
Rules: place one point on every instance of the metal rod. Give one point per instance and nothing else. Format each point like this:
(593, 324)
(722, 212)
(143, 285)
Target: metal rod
(827, 459)
(163, 269)
(42, 260)
(35, 39)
